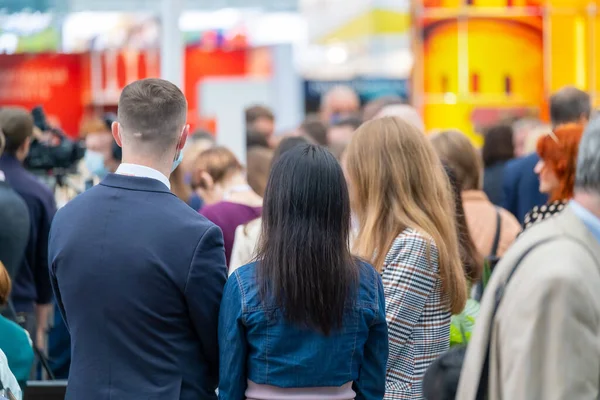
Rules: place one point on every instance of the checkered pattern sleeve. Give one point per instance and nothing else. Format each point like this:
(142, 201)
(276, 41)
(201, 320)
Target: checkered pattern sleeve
(418, 322)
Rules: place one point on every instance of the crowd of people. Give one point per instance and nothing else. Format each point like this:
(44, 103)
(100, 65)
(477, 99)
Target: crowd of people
(358, 256)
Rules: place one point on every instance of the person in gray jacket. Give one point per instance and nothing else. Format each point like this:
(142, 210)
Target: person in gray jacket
(541, 340)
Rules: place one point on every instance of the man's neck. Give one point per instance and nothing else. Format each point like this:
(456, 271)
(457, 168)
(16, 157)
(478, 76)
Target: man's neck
(589, 201)
(160, 167)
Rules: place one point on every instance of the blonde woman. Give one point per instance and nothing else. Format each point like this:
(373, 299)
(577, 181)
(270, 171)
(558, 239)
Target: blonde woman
(402, 199)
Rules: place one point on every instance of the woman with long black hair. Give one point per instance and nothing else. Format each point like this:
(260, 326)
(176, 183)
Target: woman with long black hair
(307, 319)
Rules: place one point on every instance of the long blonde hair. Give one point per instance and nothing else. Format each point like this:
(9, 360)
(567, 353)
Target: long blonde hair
(398, 182)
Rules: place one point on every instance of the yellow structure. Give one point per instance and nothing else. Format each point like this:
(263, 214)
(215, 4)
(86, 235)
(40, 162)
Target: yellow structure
(503, 56)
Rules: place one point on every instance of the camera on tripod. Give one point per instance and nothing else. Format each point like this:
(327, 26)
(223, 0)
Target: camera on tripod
(55, 154)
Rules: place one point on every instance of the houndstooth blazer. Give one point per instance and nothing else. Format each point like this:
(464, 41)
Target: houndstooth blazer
(418, 320)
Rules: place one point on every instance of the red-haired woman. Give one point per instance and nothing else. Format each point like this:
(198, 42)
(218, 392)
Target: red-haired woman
(556, 169)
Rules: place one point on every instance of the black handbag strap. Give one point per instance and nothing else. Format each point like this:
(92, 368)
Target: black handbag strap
(482, 387)
(496, 242)
(39, 354)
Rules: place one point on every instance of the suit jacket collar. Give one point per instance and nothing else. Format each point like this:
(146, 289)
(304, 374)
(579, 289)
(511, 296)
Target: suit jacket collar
(135, 183)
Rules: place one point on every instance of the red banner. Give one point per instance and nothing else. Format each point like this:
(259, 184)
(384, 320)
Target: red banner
(50, 80)
(61, 83)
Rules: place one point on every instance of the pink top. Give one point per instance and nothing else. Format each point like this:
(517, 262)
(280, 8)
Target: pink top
(268, 392)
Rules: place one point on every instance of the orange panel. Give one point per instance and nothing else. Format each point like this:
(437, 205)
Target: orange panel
(569, 61)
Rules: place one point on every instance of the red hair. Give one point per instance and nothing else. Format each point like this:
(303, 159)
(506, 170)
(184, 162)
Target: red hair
(559, 153)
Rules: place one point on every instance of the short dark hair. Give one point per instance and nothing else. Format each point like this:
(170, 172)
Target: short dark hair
(256, 112)
(17, 126)
(286, 144)
(441, 378)
(498, 145)
(569, 104)
(352, 121)
(307, 206)
(152, 111)
(316, 129)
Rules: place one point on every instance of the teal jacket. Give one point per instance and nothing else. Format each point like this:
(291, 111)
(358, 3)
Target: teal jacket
(15, 343)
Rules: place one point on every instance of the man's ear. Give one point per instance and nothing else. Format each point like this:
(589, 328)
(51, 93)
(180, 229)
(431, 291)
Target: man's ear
(26, 145)
(115, 129)
(184, 135)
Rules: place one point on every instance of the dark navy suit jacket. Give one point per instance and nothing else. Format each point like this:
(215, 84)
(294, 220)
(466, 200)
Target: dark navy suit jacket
(522, 186)
(138, 276)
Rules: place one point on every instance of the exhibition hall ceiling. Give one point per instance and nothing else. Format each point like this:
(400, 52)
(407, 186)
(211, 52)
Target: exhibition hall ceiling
(12, 6)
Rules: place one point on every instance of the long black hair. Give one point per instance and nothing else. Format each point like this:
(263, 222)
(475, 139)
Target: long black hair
(304, 262)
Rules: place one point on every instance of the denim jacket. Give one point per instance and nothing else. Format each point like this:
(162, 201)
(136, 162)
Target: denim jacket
(258, 344)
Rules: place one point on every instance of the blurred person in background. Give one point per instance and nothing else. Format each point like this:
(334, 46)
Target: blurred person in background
(183, 190)
(404, 206)
(340, 132)
(233, 202)
(307, 319)
(14, 340)
(258, 161)
(556, 169)
(14, 224)
(102, 155)
(139, 275)
(497, 150)
(373, 107)
(181, 178)
(246, 235)
(260, 119)
(441, 379)
(338, 103)
(542, 341)
(521, 183)
(522, 129)
(492, 228)
(198, 141)
(314, 128)
(405, 112)
(32, 292)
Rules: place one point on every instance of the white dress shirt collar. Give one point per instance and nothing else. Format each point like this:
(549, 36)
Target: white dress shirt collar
(143, 172)
(2, 177)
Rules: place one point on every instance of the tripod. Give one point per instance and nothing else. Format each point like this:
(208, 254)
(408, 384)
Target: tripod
(64, 188)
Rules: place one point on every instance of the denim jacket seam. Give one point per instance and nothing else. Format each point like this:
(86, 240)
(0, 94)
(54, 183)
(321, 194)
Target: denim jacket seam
(243, 293)
(376, 307)
(353, 349)
(267, 354)
(261, 308)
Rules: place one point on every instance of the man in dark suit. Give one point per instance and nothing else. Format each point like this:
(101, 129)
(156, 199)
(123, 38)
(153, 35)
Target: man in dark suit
(138, 274)
(14, 224)
(32, 292)
(521, 184)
